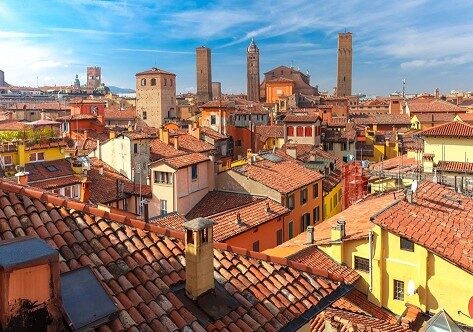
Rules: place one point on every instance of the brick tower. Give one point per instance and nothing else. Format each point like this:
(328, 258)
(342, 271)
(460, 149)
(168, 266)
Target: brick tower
(344, 64)
(204, 74)
(252, 72)
(94, 77)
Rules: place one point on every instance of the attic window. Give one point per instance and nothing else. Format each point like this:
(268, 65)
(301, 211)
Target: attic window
(52, 168)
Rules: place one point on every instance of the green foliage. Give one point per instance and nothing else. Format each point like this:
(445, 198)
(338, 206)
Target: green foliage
(33, 135)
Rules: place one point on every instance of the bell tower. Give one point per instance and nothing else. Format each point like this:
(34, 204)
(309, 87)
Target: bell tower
(344, 64)
(252, 71)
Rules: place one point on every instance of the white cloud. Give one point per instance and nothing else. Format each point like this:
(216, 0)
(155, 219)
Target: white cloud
(89, 31)
(147, 50)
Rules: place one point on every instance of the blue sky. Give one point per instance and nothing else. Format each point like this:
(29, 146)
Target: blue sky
(430, 43)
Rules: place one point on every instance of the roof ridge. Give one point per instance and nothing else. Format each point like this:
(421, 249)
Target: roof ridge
(444, 125)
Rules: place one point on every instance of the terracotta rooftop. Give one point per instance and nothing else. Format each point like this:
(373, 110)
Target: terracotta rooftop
(206, 131)
(280, 80)
(159, 150)
(434, 117)
(77, 117)
(117, 113)
(51, 174)
(307, 116)
(270, 131)
(455, 166)
(39, 106)
(433, 106)
(383, 119)
(466, 117)
(219, 201)
(466, 103)
(250, 109)
(219, 104)
(439, 219)
(452, 129)
(140, 265)
(12, 125)
(189, 143)
(284, 176)
(104, 187)
(226, 226)
(154, 71)
(357, 217)
(185, 160)
(399, 163)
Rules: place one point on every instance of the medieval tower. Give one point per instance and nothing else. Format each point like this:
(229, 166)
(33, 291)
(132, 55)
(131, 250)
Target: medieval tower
(252, 72)
(344, 64)
(204, 74)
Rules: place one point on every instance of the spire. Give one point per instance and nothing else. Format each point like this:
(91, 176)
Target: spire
(252, 47)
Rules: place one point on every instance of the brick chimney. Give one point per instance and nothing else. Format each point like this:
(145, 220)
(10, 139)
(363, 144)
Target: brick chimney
(85, 190)
(22, 177)
(199, 257)
(112, 134)
(30, 296)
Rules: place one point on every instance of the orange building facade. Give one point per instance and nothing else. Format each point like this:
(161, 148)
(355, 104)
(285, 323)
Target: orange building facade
(278, 88)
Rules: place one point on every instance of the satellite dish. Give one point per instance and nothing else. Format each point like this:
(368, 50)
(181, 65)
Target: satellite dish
(414, 186)
(411, 287)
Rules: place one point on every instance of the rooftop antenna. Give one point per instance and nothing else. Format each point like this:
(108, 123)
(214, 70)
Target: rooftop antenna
(404, 88)
(292, 64)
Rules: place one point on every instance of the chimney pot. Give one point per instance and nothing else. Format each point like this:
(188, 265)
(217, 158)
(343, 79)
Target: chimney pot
(22, 177)
(409, 197)
(145, 203)
(268, 209)
(310, 234)
(238, 216)
(85, 191)
(176, 142)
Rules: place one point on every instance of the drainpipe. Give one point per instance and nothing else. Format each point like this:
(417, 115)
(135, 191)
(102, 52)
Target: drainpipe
(370, 244)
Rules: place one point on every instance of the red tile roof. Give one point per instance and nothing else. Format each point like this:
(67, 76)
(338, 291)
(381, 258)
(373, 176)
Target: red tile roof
(138, 263)
(219, 201)
(451, 129)
(185, 160)
(48, 170)
(434, 117)
(154, 71)
(189, 143)
(159, 150)
(117, 113)
(104, 187)
(251, 214)
(314, 257)
(284, 176)
(304, 117)
(383, 119)
(396, 164)
(455, 166)
(467, 117)
(77, 117)
(270, 131)
(12, 125)
(433, 106)
(439, 219)
(206, 131)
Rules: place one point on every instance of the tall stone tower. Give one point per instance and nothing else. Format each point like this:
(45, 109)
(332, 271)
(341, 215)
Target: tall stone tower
(204, 74)
(94, 77)
(344, 64)
(156, 96)
(252, 72)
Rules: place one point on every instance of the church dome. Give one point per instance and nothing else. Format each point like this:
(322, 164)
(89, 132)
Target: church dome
(252, 47)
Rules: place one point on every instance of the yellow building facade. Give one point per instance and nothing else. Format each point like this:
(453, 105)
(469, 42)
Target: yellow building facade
(332, 201)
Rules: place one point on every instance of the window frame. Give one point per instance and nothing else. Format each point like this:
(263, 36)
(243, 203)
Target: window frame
(290, 198)
(152, 82)
(194, 172)
(279, 237)
(256, 246)
(304, 195)
(305, 221)
(213, 120)
(290, 230)
(315, 190)
(316, 214)
(163, 211)
(361, 264)
(7, 163)
(405, 244)
(398, 290)
(143, 82)
(290, 131)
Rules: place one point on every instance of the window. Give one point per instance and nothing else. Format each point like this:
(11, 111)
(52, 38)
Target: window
(135, 148)
(36, 156)
(316, 214)
(194, 172)
(300, 131)
(143, 81)
(290, 202)
(315, 189)
(7, 160)
(305, 221)
(144, 115)
(68, 191)
(308, 131)
(291, 230)
(164, 206)
(304, 196)
(52, 168)
(329, 146)
(279, 237)
(406, 244)
(343, 146)
(153, 81)
(398, 293)
(213, 119)
(238, 142)
(256, 246)
(163, 177)
(290, 131)
(190, 236)
(165, 82)
(362, 264)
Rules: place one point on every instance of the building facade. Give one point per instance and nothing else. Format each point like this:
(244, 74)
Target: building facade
(94, 77)
(155, 96)
(252, 72)
(344, 64)
(216, 90)
(204, 74)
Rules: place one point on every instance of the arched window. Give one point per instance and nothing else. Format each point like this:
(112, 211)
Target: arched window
(153, 81)
(308, 131)
(165, 82)
(290, 131)
(143, 81)
(300, 131)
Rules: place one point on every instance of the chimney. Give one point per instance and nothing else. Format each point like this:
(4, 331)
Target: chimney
(199, 257)
(112, 134)
(30, 261)
(85, 191)
(338, 231)
(176, 142)
(22, 177)
(101, 169)
(268, 209)
(42, 115)
(310, 235)
(145, 203)
(164, 135)
(409, 196)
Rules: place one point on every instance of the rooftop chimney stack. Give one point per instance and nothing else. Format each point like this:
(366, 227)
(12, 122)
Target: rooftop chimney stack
(199, 257)
(338, 231)
(22, 178)
(85, 191)
(268, 209)
(310, 235)
(238, 218)
(409, 196)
